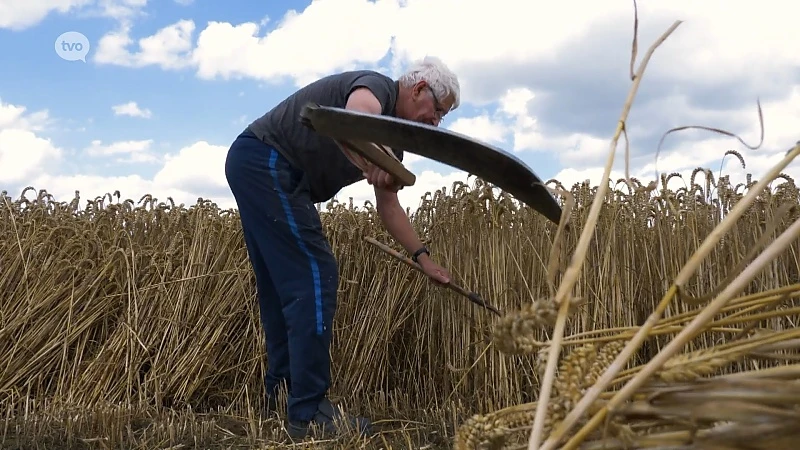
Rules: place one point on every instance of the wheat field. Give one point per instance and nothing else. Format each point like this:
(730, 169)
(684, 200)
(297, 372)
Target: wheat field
(134, 324)
(664, 317)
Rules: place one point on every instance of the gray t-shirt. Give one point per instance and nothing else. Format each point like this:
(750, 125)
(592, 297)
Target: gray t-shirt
(327, 169)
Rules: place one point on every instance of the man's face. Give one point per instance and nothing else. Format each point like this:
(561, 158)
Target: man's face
(425, 107)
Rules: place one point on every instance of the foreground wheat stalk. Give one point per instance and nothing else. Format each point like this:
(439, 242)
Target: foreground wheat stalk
(572, 273)
(781, 243)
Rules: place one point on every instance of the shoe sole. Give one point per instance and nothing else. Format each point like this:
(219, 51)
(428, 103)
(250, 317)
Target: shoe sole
(302, 433)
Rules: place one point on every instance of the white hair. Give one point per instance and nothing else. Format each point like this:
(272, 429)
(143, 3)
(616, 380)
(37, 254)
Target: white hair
(441, 79)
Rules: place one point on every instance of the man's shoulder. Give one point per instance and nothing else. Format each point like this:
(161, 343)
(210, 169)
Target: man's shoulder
(336, 87)
(383, 87)
(354, 74)
(347, 78)
(373, 73)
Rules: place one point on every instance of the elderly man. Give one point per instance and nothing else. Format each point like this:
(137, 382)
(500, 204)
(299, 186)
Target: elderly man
(277, 169)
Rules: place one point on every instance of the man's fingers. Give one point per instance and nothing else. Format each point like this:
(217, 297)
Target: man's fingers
(378, 177)
(370, 174)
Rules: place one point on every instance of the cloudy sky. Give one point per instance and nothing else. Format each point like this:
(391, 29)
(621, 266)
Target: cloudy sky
(167, 85)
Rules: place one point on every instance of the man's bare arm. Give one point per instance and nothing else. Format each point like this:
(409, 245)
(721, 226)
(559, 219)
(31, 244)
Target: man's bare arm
(363, 100)
(396, 221)
(391, 212)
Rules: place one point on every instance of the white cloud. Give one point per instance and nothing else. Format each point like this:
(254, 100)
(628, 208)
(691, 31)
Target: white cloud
(131, 109)
(515, 103)
(781, 118)
(756, 164)
(192, 172)
(780, 122)
(481, 127)
(198, 167)
(513, 119)
(18, 15)
(569, 148)
(411, 159)
(735, 42)
(122, 10)
(124, 151)
(309, 43)
(168, 48)
(63, 187)
(14, 116)
(22, 152)
(569, 176)
(133, 187)
(27, 159)
(304, 45)
(707, 149)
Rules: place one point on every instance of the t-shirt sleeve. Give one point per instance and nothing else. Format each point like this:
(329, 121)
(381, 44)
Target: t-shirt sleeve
(378, 86)
(382, 90)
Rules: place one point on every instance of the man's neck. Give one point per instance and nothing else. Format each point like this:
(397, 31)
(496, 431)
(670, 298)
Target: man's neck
(403, 94)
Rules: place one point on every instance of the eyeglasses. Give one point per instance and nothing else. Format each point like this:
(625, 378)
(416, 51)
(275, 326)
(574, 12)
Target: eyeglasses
(439, 111)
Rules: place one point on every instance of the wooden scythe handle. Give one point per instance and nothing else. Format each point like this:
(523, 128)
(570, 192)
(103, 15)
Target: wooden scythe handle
(382, 158)
(471, 296)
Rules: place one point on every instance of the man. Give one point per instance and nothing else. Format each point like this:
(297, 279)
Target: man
(277, 169)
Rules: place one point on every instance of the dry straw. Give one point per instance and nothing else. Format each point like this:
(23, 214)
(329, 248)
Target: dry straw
(545, 409)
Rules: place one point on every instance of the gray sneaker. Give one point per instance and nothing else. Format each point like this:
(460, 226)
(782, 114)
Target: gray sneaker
(328, 422)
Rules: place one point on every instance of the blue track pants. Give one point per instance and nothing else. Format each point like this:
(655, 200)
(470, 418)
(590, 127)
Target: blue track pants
(295, 270)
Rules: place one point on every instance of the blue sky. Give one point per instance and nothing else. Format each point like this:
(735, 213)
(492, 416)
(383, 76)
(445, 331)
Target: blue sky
(184, 109)
(545, 83)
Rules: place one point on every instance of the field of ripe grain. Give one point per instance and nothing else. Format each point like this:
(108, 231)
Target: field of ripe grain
(134, 324)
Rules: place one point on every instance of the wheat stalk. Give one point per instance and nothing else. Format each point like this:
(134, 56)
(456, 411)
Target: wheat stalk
(579, 256)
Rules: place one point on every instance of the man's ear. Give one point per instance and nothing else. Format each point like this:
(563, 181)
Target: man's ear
(416, 92)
